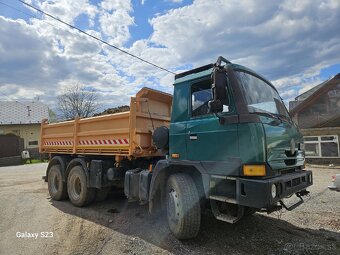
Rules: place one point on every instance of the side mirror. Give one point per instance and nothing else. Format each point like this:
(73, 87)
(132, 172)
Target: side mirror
(215, 106)
(219, 92)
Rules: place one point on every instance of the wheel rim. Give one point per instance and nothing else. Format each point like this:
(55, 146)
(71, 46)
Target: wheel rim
(173, 206)
(54, 182)
(75, 188)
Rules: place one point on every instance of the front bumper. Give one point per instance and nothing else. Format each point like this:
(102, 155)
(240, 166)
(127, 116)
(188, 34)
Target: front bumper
(257, 192)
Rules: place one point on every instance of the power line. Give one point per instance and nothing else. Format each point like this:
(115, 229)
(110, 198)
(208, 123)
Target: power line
(9, 6)
(33, 16)
(81, 31)
(96, 38)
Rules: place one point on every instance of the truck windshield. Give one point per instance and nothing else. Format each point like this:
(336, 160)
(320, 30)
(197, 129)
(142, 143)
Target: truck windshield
(260, 96)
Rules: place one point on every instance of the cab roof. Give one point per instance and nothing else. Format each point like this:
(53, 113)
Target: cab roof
(207, 70)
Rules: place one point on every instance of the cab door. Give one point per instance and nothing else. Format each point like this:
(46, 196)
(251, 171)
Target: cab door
(208, 139)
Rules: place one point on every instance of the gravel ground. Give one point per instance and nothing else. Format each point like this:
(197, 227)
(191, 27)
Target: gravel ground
(117, 227)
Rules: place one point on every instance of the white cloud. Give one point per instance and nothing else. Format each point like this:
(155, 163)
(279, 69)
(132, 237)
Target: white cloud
(110, 5)
(67, 10)
(40, 67)
(275, 39)
(287, 41)
(175, 1)
(115, 25)
(115, 20)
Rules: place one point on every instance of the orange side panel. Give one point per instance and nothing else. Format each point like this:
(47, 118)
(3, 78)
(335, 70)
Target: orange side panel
(126, 134)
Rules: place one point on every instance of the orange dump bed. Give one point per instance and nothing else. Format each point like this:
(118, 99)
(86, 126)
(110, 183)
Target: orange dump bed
(120, 134)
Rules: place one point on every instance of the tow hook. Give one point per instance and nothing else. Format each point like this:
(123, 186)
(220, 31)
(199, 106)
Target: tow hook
(302, 193)
(299, 194)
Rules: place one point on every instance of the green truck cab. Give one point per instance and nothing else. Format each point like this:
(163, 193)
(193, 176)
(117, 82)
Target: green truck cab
(232, 144)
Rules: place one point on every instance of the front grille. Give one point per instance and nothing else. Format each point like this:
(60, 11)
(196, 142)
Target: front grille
(295, 182)
(288, 171)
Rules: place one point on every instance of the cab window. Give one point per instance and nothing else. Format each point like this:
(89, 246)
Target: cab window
(201, 94)
(200, 97)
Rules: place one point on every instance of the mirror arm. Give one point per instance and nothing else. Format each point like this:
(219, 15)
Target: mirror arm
(220, 118)
(220, 60)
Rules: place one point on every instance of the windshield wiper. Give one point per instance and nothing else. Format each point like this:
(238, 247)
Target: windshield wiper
(268, 114)
(282, 116)
(285, 117)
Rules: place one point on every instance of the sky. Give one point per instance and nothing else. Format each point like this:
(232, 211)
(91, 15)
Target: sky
(294, 44)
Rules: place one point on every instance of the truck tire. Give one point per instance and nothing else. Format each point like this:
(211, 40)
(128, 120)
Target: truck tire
(101, 194)
(78, 192)
(183, 206)
(56, 187)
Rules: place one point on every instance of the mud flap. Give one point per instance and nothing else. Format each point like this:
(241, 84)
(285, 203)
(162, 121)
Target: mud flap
(96, 170)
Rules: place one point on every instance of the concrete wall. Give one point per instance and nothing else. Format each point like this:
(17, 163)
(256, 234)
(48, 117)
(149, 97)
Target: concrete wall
(29, 132)
(321, 132)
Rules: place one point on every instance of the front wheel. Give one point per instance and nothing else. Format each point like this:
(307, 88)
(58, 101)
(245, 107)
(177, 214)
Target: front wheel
(183, 206)
(78, 192)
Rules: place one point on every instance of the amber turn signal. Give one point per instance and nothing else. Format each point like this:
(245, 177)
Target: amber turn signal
(254, 170)
(175, 155)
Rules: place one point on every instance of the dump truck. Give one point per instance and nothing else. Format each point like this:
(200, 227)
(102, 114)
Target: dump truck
(223, 142)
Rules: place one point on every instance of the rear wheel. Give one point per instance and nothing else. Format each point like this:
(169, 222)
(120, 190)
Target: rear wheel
(78, 192)
(183, 206)
(56, 187)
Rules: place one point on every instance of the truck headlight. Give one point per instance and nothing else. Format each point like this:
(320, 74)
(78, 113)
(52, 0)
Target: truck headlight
(274, 190)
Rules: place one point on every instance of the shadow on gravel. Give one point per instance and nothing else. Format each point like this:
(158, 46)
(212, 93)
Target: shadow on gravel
(257, 234)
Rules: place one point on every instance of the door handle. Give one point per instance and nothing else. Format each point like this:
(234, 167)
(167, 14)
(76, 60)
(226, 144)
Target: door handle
(193, 137)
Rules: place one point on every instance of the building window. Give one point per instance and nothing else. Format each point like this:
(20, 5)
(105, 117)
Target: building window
(31, 143)
(322, 146)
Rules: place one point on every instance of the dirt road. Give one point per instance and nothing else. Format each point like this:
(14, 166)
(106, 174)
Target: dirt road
(116, 227)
